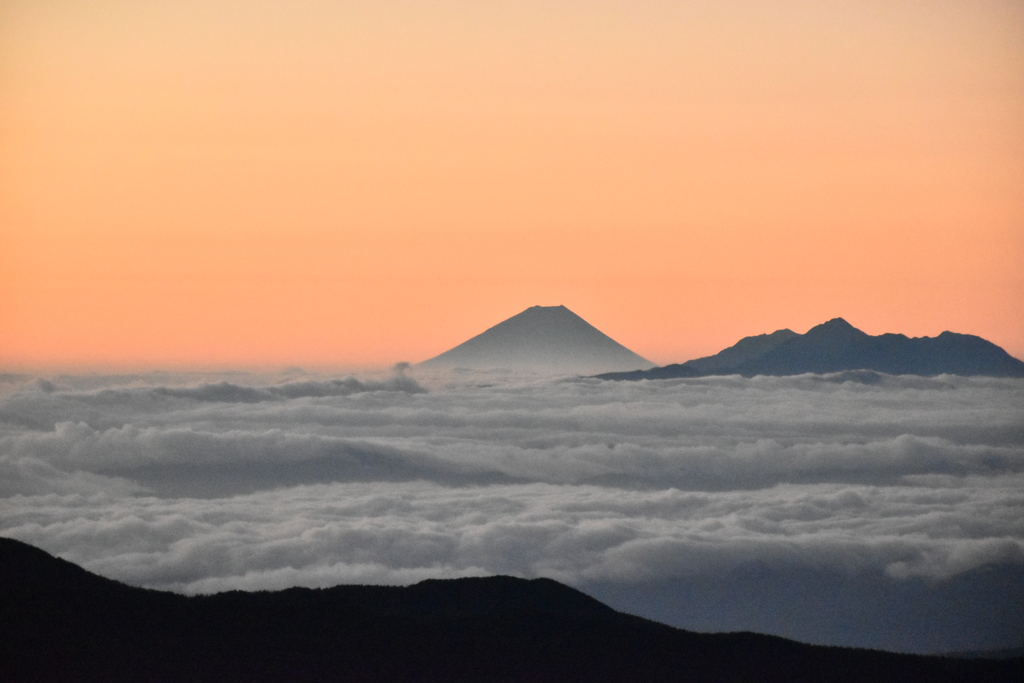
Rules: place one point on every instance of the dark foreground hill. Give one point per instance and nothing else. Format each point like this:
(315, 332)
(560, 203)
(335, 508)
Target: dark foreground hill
(61, 623)
(837, 346)
(547, 338)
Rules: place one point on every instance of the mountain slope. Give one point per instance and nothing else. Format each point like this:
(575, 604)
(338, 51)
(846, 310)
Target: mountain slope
(60, 623)
(837, 346)
(745, 350)
(542, 337)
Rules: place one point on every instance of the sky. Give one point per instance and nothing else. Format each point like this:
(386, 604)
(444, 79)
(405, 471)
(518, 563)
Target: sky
(263, 184)
(221, 222)
(843, 509)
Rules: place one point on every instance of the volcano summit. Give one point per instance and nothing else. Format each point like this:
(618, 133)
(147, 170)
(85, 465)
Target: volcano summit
(547, 338)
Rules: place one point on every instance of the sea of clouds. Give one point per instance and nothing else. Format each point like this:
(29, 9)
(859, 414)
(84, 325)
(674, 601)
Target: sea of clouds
(200, 483)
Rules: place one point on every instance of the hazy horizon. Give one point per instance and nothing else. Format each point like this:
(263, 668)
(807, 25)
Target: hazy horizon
(15, 373)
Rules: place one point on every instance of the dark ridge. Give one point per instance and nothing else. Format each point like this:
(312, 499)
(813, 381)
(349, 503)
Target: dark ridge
(665, 372)
(61, 623)
(744, 350)
(1002, 653)
(837, 346)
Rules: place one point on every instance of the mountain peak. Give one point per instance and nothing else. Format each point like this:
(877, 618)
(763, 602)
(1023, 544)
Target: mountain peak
(835, 324)
(835, 329)
(838, 346)
(548, 338)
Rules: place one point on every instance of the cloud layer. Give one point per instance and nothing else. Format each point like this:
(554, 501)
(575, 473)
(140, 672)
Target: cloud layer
(208, 486)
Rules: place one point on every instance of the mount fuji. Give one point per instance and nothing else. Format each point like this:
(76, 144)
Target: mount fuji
(546, 338)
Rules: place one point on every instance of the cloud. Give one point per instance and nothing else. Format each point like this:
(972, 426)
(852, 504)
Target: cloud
(226, 392)
(676, 438)
(31, 476)
(47, 402)
(325, 534)
(212, 485)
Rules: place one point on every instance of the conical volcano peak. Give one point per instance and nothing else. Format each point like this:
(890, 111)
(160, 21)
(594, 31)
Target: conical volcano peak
(548, 338)
(546, 310)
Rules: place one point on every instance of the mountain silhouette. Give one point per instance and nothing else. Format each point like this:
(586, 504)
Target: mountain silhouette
(58, 622)
(838, 346)
(746, 349)
(544, 338)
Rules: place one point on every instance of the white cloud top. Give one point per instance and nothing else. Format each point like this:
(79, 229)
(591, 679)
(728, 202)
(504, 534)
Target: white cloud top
(217, 485)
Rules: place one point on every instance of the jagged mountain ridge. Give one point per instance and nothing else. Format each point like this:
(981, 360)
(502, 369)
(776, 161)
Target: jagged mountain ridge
(545, 338)
(837, 346)
(59, 622)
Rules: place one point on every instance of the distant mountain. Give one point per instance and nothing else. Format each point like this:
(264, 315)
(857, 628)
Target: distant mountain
(674, 371)
(743, 351)
(837, 346)
(61, 623)
(544, 338)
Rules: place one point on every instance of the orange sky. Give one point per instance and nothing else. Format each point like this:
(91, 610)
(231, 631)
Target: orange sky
(223, 183)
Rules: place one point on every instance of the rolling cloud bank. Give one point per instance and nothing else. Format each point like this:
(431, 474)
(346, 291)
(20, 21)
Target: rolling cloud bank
(853, 508)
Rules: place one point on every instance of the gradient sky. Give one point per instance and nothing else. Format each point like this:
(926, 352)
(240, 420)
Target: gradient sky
(225, 183)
